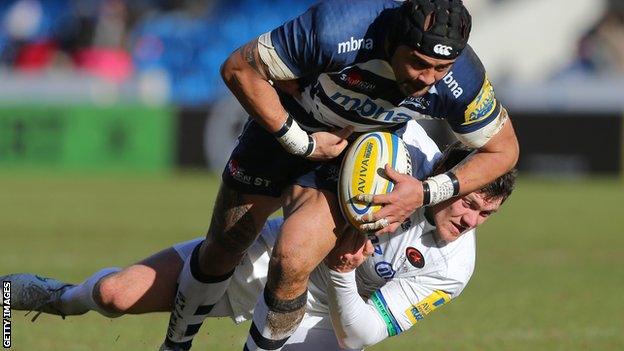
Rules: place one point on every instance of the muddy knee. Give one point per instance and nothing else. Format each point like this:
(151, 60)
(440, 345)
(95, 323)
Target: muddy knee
(288, 275)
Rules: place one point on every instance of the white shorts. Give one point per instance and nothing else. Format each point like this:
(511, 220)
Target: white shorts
(315, 331)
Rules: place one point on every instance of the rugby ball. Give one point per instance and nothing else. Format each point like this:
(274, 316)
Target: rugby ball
(362, 171)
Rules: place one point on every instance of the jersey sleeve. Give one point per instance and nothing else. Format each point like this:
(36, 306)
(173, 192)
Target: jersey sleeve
(394, 308)
(294, 49)
(468, 102)
(404, 302)
(357, 324)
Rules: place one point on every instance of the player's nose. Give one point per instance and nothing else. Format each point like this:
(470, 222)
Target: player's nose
(470, 219)
(427, 76)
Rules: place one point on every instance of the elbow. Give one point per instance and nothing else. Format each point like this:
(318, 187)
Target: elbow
(227, 71)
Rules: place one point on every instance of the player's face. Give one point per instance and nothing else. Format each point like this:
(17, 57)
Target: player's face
(456, 216)
(415, 73)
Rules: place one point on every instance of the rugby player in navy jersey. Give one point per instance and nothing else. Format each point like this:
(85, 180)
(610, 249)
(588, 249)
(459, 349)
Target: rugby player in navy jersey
(342, 67)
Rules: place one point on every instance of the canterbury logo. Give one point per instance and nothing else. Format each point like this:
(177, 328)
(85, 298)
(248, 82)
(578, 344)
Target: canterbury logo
(442, 50)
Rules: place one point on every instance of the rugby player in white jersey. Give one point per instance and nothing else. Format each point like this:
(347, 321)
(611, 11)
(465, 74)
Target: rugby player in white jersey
(343, 66)
(424, 264)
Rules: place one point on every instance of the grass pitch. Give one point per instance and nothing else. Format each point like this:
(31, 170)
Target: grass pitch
(550, 266)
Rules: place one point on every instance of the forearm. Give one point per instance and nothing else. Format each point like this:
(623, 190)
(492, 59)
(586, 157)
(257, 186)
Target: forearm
(356, 323)
(491, 161)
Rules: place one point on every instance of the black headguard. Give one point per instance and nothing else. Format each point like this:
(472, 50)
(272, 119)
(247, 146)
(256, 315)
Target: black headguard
(436, 28)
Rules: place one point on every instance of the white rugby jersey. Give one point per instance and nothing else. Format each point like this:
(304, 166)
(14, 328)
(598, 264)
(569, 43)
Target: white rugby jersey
(337, 52)
(409, 275)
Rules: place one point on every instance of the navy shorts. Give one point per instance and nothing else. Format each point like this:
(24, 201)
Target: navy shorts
(260, 165)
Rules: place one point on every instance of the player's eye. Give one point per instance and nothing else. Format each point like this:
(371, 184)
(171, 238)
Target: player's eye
(419, 64)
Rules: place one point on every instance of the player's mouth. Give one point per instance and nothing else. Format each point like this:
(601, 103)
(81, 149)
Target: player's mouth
(414, 89)
(458, 229)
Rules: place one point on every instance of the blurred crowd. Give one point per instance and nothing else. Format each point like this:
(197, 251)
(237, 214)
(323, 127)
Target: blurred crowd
(180, 42)
(601, 49)
(177, 45)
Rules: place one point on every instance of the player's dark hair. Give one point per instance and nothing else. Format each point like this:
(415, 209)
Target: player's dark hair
(436, 28)
(456, 153)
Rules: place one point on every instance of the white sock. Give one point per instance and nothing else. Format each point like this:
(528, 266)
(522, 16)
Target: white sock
(262, 337)
(79, 299)
(197, 294)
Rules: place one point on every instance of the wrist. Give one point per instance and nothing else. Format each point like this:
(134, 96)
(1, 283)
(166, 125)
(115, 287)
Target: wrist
(440, 188)
(294, 139)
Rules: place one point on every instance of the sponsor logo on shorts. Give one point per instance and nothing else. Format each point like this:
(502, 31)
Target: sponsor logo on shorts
(238, 173)
(414, 257)
(482, 106)
(6, 314)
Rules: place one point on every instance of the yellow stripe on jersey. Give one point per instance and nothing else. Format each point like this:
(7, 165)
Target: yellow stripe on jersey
(427, 305)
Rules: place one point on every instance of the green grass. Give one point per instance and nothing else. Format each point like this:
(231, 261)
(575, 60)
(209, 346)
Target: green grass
(550, 267)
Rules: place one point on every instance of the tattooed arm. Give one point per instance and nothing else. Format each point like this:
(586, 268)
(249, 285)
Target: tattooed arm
(248, 77)
(247, 73)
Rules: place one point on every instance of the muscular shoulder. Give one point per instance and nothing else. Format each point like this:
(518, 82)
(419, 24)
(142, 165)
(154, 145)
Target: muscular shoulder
(466, 99)
(345, 28)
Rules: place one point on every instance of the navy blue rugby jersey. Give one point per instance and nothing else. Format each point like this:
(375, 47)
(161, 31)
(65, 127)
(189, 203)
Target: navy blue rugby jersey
(337, 52)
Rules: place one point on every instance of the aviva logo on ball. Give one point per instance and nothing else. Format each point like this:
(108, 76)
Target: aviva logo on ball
(363, 172)
(366, 168)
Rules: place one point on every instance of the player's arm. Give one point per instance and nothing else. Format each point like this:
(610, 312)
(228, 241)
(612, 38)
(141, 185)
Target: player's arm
(497, 156)
(247, 76)
(396, 307)
(251, 69)
(357, 324)
(497, 150)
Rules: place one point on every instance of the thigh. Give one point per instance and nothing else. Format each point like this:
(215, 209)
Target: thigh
(308, 233)
(237, 219)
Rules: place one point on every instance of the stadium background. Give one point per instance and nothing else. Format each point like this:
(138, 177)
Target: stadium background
(113, 120)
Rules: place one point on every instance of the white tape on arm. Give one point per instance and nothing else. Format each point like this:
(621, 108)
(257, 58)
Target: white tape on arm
(294, 139)
(440, 188)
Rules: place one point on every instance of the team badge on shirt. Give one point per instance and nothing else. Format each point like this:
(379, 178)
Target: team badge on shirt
(415, 257)
(482, 106)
